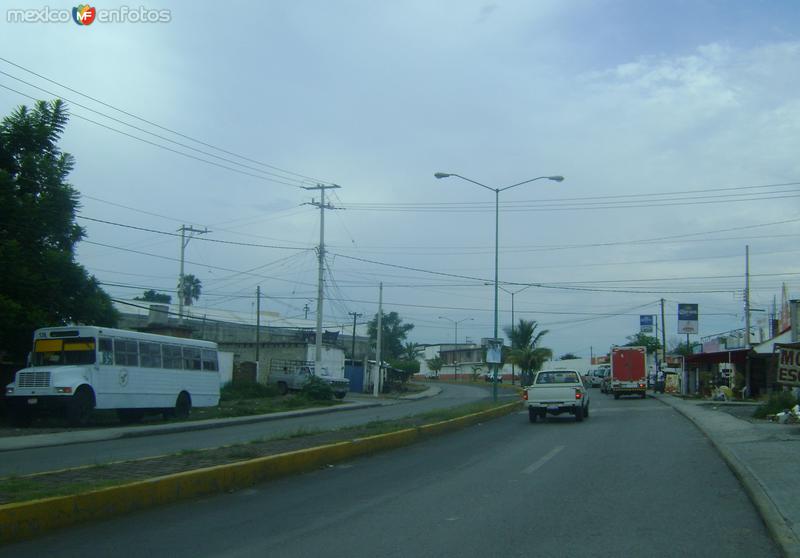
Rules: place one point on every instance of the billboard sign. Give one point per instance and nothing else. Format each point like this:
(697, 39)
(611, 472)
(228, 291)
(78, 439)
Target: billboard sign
(646, 324)
(494, 351)
(789, 365)
(687, 318)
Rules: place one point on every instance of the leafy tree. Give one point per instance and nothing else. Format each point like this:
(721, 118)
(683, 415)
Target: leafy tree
(435, 364)
(394, 333)
(191, 289)
(153, 296)
(569, 356)
(41, 284)
(525, 350)
(652, 344)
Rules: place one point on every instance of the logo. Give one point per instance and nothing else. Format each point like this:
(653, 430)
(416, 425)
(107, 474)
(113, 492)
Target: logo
(84, 14)
(123, 378)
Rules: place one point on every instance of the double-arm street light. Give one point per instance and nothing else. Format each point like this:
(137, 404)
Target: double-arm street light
(455, 347)
(496, 240)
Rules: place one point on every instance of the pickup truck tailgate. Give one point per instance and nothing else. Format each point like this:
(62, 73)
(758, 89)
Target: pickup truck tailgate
(545, 394)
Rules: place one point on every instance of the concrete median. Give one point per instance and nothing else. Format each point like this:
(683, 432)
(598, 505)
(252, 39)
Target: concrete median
(25, 520)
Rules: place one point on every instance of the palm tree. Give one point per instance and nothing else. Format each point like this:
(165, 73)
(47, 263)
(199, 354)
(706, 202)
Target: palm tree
(191, 289)
(435, 364)
(525, 350)
(410, 351)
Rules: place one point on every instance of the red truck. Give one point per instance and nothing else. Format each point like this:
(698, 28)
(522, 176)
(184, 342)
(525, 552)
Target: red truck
(628, 371)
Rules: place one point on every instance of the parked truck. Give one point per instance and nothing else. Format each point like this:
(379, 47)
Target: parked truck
(628, 371)
(293, 375)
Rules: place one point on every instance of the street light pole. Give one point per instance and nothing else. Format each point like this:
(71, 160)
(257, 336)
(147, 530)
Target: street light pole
(556, 178)
(513, 323)
(455, 345)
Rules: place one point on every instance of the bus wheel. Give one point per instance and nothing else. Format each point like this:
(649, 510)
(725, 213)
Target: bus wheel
(183, 406)
(79, 410)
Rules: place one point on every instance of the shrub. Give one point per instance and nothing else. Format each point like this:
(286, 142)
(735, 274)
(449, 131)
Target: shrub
(777, 402)
(317, 389)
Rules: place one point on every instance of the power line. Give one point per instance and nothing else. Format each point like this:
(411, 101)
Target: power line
(167, 233)
(200, 142)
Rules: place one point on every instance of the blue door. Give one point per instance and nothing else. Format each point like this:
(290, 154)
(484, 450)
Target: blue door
(356, 376)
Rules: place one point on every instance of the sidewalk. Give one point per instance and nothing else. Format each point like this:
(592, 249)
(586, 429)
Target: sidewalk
(357, 401)
(766, 459)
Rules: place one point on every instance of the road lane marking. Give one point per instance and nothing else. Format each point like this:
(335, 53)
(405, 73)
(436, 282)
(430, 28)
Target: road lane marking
(550, 455)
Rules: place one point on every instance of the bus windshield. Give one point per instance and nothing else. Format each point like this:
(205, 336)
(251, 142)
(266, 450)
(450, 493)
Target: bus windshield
(60, 352)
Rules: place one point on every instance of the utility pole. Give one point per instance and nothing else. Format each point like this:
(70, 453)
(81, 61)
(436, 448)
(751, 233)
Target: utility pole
(353, 350)
(305, 309)
(663, 334)
(377, 380)
(258, 322)
(185, 242)
(320, 265)
(747, 318)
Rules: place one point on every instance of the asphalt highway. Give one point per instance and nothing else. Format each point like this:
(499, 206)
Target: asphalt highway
(634, 479)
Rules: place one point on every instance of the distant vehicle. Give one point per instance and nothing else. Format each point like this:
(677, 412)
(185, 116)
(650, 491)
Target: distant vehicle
(594, 377)
(557, 392)
(294, 374)
(489, 377)
(77, 369)
(629, 371)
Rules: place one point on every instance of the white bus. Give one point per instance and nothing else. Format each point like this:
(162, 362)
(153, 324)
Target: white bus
(76, 369)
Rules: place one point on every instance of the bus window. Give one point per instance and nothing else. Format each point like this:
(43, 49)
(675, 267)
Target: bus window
(126, 353)
(57, 352)
(106, 351)
(150, 354)
(173, 358)
(191, 358)
(210, 360)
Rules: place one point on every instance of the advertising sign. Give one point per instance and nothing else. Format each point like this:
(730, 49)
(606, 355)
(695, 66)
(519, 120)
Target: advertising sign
(687, 318)
(646, 324)
(789, 365)
(494, 351)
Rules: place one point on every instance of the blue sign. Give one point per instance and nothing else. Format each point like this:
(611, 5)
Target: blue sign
(646, 324)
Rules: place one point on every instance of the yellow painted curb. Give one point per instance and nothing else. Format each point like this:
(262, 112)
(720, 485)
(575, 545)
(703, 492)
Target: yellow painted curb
(25, 520)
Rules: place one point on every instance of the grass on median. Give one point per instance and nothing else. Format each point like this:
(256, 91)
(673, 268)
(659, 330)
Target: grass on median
(86, 479)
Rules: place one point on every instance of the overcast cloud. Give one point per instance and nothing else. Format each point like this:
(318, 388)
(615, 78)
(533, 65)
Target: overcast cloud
(622, 98)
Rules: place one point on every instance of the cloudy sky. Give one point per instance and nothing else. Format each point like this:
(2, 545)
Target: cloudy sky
(676, 125)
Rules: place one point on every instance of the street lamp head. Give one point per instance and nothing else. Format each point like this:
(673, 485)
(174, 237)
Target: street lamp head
(556, 178)
(442, 175)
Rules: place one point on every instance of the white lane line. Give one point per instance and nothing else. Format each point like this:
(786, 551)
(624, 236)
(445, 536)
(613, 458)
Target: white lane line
(550, 455)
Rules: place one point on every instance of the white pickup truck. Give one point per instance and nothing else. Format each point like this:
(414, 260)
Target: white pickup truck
(557, 392)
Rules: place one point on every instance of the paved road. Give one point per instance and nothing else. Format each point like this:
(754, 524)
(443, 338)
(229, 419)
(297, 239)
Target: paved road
(58, 457)
(635, 479)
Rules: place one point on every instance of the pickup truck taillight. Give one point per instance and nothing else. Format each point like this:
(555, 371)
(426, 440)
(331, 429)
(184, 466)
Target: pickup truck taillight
(525, 394)
(578, 394)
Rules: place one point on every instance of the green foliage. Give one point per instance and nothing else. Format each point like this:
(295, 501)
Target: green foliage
(777, 402)
(232, 392)
(317, 389)
(153, 296)
(394, 333)
(191, 289)
(525, 350)
(41, 284)
(435, 364)
(410, 351)
(408, 367)
(652, 344)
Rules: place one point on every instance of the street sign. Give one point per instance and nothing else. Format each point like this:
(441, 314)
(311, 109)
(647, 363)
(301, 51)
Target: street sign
(789, 365)
(687, 318)
(646, 323)
(494, 351)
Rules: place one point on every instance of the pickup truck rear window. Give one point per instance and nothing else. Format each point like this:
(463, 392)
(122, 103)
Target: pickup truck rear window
(557, 378)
